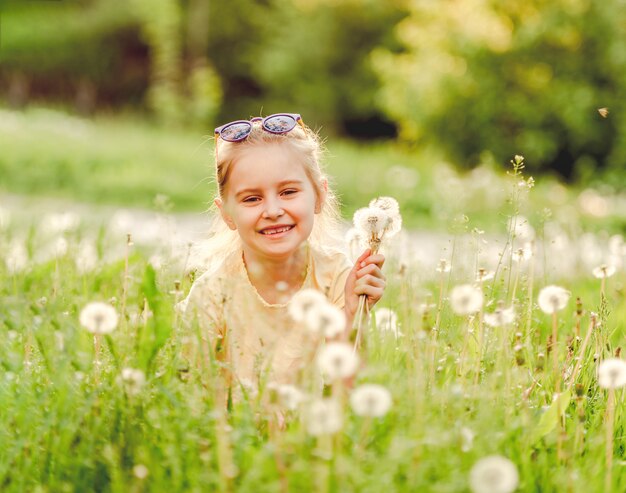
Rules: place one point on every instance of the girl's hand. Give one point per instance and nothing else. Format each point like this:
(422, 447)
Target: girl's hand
(366, 277)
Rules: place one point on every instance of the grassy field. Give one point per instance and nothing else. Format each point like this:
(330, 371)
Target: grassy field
(124, 161)
(115, 412)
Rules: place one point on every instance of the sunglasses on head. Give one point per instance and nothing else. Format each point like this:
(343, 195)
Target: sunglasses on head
(280, 123)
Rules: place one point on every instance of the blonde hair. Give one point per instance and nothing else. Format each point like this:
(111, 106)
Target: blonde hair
(306, 143)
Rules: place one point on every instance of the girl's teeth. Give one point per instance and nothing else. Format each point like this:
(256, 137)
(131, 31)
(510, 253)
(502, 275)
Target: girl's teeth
(276, 231)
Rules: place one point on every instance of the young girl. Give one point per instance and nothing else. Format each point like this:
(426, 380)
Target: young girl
(277, 219)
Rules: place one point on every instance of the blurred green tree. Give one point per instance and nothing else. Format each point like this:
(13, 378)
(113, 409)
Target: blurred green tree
(512, 77)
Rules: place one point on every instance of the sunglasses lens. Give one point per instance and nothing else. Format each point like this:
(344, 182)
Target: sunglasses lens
(279, 124)
(235, 132)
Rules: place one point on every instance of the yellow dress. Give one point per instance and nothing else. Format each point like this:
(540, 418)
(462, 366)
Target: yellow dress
(260, 339)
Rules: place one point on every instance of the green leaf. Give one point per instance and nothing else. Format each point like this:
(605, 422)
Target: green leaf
(549, 419)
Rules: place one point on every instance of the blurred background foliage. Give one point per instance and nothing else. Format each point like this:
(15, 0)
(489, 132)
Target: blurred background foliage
(479, 79)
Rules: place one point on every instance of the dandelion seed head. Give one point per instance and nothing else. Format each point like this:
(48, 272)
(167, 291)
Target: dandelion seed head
(612, 373)
(356, 241)
(387, 321)
(370, 400)
(60, 247)
(98, 318)
(323, 417)
(326, 319)
(304, 301)
(16, 260)
(617, 246)
(521, 228)
(501, 317)
(484, 275)
(443, 266)
(392, 208)
(289, 396)
(58, 223)
(86, 258)
(466, 299)
(467, 439)
(371, 221)
(494, 474)
(140, 471)
(523, 253)
(604, 271)
(5, 218)
(337, 360)
(133, 380)
(553, 299)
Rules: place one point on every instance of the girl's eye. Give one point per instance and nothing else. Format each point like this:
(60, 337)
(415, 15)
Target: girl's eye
(290, 191)
(250, 199)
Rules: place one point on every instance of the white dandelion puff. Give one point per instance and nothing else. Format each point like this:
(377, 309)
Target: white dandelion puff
(553, 299)
(60, 247)
(356, 241)
(521, 228)
(372, 221)
(325, 319)
(467, 439)
(86, 258)
(133, 380)
(443, 266)
(289, 396)
(337, 360)
(392, 208)
(604, 271)
(617, 246)
(140, 471)
(612, 373)
(387, 321)
(523, 253)
(466, 299)
(501, 317)
(370, 400)
(99, 318)
(304, 301)
(5, 218)
(484, 275)
(58, 223)
(494, 474)
(323, 417)
(16, 259)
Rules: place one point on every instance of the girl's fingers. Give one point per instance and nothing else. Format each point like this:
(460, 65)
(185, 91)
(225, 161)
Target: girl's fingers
(378, 259)
(373, 293)
(363, 256)
(371, 280)
(372, 269)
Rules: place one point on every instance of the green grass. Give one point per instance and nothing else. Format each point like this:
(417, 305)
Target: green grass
(122, 160)
(69, 424)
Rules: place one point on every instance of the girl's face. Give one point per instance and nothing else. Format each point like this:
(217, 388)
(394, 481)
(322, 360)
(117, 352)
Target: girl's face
(270, 200)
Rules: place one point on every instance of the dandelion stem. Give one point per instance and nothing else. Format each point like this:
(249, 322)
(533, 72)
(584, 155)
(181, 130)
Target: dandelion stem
(610, 415)
(602, 285)
(555, 353)
(517, 271)
(583, 348)
(531, 275)
(359, 321)
(125, 281)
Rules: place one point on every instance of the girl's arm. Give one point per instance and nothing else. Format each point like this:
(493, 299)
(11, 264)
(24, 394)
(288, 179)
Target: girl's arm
(365, 278)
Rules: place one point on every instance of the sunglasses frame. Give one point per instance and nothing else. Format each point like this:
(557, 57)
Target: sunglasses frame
(295, 116)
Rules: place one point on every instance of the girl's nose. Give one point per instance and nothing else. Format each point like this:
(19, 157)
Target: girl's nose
(272, 210)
